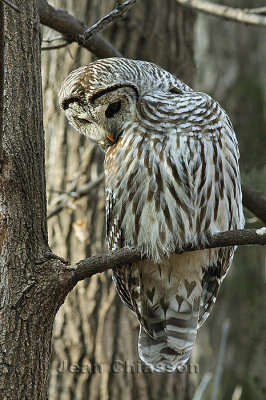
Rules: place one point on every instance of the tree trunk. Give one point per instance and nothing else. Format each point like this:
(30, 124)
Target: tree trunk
(29, 289)
(95, 335)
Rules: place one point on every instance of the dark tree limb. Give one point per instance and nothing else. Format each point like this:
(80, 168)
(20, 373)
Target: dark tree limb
(71, 27)
(115, 14)
(254, 202)
(116, 258)
(246, 16)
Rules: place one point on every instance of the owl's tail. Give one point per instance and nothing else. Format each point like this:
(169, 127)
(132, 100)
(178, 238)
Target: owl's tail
(169, 307)
(173, 336)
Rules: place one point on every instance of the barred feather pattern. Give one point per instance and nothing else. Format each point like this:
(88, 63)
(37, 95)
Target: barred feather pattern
(172, 179)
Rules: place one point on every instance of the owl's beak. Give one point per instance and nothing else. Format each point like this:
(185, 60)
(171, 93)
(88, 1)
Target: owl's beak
(110, 137)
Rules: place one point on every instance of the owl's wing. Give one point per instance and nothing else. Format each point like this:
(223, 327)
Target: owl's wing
(202, 171)
(127, 281)
(211, 282)
(211, 159)
(115, 241)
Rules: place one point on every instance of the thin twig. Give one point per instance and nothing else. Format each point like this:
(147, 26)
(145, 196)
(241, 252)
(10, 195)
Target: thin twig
(56, 46)
(11, 5)
(116, 258)
(225, 12)
(220, 363)
(118, 12)
(198, 395)
(237, 392)
(66, 199)
(71, 27)
(261, 10)
(53, 39)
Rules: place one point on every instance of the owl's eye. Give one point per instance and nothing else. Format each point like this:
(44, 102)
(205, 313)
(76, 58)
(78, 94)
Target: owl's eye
(112, 109)
(175, 90)
(83, 120)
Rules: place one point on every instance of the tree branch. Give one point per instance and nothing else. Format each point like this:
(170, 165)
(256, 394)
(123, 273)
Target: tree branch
(54, 39)
(233, 14)
(261, 10)
(116, 258)
(55, 46)
(11, 5)
(117, 13)
(255, 202)
(71, 27)
(82, 191)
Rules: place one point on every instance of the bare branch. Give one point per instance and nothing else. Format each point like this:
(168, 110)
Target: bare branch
(117, 13)
(229, 13)
(198, 395)
(56, 46)
(71, 27)
(261, 10)
(54, 39)
(66, 199)
(254, 202)
(116, 258)
(220, 361)
(11, 5)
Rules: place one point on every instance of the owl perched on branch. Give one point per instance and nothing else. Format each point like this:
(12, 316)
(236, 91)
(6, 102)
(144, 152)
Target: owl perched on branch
(172, 178)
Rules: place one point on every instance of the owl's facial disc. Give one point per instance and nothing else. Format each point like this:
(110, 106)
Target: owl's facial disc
(103, 117)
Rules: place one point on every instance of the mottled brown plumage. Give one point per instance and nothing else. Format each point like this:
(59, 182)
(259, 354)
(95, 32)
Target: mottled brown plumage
(172, 178)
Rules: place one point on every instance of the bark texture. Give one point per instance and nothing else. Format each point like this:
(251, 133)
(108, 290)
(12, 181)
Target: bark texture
(95, 335)
(29, 291)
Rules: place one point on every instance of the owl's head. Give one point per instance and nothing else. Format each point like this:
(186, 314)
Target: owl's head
(100, 99)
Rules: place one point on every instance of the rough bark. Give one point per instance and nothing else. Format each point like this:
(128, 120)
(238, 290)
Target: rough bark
(2, 47)
(93, 327)
(29, 291)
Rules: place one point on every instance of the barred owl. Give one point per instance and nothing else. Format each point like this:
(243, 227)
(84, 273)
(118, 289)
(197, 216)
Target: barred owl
(172, 178)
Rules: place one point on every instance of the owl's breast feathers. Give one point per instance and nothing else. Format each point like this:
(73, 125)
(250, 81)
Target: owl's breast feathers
(168, 185)
(173, 175)
(171, 179)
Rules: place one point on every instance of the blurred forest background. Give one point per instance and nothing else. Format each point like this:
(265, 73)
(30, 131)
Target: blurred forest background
(230, 60)
(227, 60)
